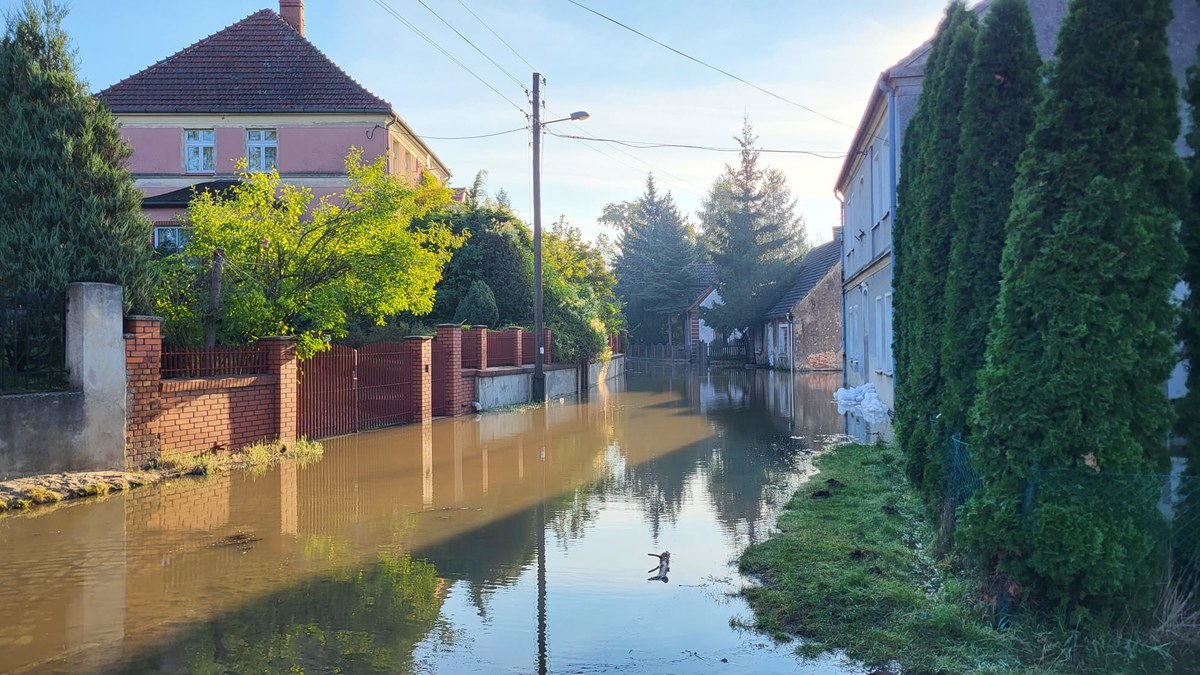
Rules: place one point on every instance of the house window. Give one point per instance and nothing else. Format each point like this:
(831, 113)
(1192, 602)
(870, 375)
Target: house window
(199, 150)
(262, 148)
(170, 238)
(887, 324)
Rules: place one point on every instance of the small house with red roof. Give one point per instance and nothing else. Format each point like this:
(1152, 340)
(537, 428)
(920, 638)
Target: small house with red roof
(257, 90)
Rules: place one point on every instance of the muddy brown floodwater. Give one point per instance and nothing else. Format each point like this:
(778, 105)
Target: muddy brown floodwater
(508, 542)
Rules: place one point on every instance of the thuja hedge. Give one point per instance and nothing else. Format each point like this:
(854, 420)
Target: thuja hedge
(930, 159)
(1082, 339)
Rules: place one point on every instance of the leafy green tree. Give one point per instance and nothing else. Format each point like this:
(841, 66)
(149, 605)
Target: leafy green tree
(744, 220)
(1082, 339)
(580, 305)
(68, 207)
(655, 249)
(999, 108)
(923, 236)
(299, 268)
(478, 307)
(498, 251)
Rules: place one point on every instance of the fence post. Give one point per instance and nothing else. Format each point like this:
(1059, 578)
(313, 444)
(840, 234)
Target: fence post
(547, 345)
(96, 366)
(143, 373)
(517, 334)
(281, 361)
(419, 360)
(475, 347)
(450, 338)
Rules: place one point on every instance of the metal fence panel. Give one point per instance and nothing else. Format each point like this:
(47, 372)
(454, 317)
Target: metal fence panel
(179, 362)
(32, 342)
(384, 385)
(327, 402)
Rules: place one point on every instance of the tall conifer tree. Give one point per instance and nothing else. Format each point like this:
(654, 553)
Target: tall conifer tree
(924, 228)
(998, 114)
(1072, 396)
(68, 208)
(746, 225)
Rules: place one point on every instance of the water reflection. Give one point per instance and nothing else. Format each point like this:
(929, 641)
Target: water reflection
(509, 542)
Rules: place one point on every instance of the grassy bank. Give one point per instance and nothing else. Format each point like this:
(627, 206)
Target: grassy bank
(25, 493)
(849, 570)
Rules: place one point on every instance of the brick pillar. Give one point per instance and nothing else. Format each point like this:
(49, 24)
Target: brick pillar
(143, 361)
(452, 336)
(547, 344)
(421, 386)
(281, 362)
(474, 347)
(516, 334)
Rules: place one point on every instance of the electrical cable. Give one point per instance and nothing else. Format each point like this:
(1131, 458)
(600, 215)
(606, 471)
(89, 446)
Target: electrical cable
(710, 66)
(388, 8)
(464, 138)
(502, 40)
(642, 145)
(473, 45)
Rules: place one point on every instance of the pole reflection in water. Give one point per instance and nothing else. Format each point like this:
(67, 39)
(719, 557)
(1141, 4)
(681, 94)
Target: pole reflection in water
(430, 548)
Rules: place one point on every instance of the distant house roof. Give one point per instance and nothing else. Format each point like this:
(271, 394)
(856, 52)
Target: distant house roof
(258, 65)
(812, 269)
(183, 196)
(703, 277)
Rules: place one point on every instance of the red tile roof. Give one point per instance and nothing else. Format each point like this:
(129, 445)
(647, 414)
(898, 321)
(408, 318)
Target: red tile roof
(258, 65)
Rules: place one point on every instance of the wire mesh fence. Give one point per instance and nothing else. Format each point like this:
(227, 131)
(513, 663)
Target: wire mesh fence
(1164, 507)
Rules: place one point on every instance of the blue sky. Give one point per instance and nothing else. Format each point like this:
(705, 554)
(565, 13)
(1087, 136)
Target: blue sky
(824, 54)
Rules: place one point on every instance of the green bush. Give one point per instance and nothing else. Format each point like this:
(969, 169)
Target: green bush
(478, 307)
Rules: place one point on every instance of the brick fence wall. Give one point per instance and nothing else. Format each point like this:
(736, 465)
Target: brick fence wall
(193, 415)
(225, 413)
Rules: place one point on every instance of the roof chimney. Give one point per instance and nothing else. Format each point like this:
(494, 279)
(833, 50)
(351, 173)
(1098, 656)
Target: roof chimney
(292, 11)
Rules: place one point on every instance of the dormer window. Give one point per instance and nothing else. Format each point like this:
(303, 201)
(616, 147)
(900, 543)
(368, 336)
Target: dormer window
(262, 147)
(199, 150)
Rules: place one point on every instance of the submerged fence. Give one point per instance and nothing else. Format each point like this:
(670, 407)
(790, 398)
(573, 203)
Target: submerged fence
(33, 351)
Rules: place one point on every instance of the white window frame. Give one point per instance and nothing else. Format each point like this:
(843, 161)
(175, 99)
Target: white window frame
(171, 233)
(259, 144)
(204, 143)
(852, 346)
(887, 324)
(880, 336)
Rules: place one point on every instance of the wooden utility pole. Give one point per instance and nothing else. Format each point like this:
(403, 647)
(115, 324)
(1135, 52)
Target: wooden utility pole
(214, 298)
(538, 386)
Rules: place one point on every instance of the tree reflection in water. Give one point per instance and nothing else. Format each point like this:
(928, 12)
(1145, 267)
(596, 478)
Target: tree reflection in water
(355, 621)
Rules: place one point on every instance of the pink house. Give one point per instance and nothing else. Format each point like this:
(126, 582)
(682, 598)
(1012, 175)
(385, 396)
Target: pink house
(260, 90)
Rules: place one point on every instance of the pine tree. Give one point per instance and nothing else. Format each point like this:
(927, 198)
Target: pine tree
(999, 109)
(923, 239)
(1072, 396)
(748, 239)
(1189, 327)
(68, 208)
(655, 251)
(478, 307)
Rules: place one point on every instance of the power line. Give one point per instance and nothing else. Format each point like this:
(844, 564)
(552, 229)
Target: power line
(387, 8)
(642, 145)
(710, 66)
(473, 45)
(502, 40)
(463, 138)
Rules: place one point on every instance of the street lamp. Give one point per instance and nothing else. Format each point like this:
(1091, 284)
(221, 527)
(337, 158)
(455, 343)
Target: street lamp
(538, 387)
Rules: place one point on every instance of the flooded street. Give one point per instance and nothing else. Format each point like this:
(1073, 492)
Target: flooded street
(508, 542)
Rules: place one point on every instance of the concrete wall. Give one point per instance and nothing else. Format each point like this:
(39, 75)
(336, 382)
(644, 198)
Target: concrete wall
(508, 387)
(564, 382)
(82, 429)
